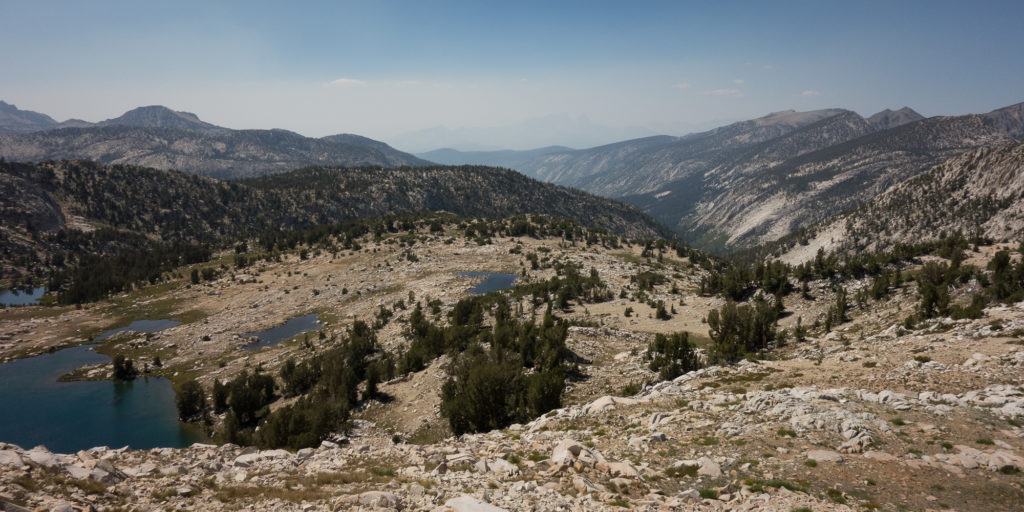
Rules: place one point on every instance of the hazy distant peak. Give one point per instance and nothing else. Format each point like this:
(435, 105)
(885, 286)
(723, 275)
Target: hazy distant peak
(507, 158)
(75, 123)
(775, 122)
(1009, 119)
(792, 117)
(157, 116)
(346, 137)
(351, 138)
(892, 118)
(1016, 107)
(15, 120)
(554, 129)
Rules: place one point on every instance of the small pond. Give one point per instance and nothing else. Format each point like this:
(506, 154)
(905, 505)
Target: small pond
(71, 416)
(492, 282)
(141, 326)
(22, 297)
(289, 329)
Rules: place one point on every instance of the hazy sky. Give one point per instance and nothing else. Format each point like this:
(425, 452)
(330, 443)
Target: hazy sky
(382, 68)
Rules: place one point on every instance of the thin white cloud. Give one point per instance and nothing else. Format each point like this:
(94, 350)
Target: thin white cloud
(681, 85)
(769, 67)
(726, 92)
(810, 93)
(414, 84)
(387, 83)
(347, 81)
(738, 81)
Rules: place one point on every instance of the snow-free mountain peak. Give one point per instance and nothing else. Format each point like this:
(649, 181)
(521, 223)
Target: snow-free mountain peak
(892, 118)
(157, 116)
(15, 120)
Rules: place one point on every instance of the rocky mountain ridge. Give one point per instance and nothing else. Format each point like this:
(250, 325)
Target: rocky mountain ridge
(159, 137)
(232, 154)
(892, 118)
(15, 120)
(767, 205)
(509, 159)
(157, 116)
(654, 160)
(978, 192)
(757, 181)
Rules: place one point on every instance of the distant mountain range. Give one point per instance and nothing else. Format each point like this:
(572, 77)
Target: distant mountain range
(15, 120)
(509, 158)
(555, 129)
(756, 181)
(641, 165)
(159, 137)
(729, 188)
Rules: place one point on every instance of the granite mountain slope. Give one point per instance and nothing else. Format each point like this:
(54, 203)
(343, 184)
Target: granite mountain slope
(892, 118)
(641, 165)
(978, 192)
(757, 181)
(737, 210)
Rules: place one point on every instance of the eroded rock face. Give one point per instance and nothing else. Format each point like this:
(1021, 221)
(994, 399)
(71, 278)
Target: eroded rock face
(470, 504)
(824, 456)
(567, 451)
(607, 403)
(995, 460)
(11, 459)
(43, 458)
(371, 499)
(709, 467)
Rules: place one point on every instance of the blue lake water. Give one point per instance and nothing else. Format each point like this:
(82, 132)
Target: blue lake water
(141, 326)
(22, 297)
(289, 329)
(70, 416)
(492, 282)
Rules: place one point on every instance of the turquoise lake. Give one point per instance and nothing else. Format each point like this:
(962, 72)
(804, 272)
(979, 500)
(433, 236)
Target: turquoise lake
(492, 282)
(22, 297)
(275, 335)
(70, 416)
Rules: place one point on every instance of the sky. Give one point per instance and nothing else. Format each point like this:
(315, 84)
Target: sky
(383, 69)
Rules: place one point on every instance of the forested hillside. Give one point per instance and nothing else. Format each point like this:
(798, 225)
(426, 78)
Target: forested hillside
(52, 207)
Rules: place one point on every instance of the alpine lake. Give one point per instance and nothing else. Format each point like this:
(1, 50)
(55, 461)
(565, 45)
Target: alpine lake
(40, 407)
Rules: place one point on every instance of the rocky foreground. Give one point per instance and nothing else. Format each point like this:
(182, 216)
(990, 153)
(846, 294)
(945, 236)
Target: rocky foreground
(874, 415)
(757, 436)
